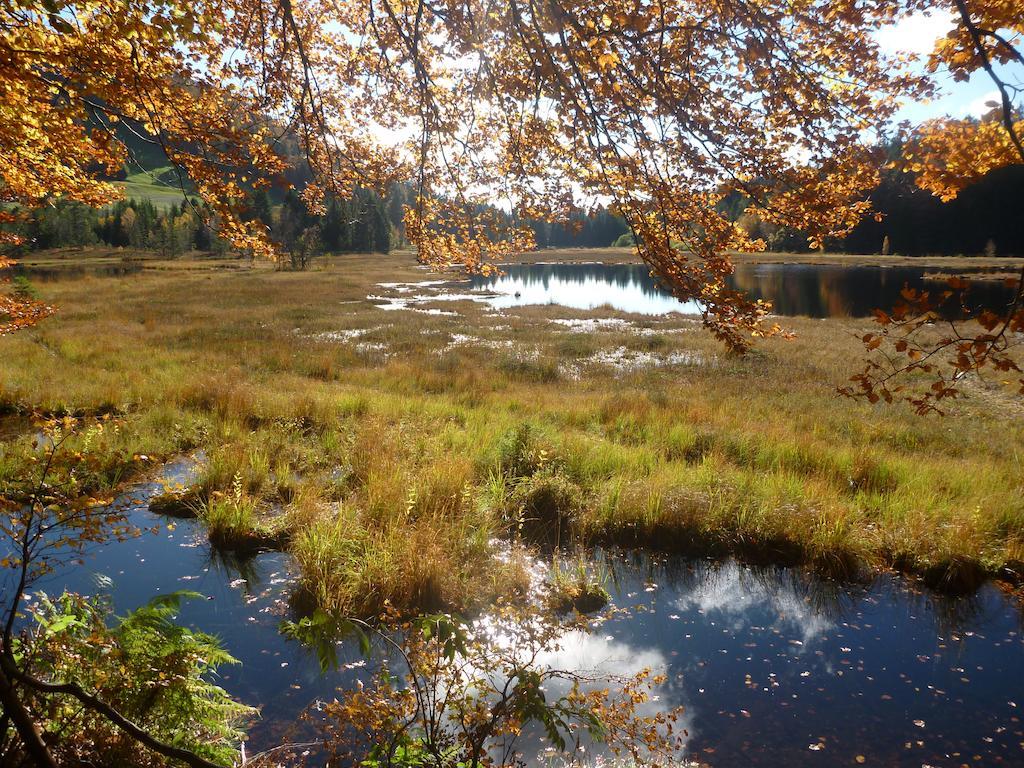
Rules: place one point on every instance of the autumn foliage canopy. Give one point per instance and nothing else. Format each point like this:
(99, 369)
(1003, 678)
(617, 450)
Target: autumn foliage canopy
(658, 108)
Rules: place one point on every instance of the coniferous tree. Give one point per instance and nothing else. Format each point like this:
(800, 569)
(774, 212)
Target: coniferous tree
(261, 207)
(334, 234)
(380, 225)
(398, 198)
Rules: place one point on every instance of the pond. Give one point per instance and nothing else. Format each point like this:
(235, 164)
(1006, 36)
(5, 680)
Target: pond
(69, 271)
(813, 290)
(774, 666)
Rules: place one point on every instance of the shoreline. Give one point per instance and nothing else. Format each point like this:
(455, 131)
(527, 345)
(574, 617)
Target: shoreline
(150, 261)
(628, 256)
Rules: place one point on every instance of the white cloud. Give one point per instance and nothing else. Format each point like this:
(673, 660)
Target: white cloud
(732, 591)
(914, 33)
(982, 105)
(603, 660)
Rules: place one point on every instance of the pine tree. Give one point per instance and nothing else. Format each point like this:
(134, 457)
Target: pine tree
(334, 227)
(396, 202)
(261, 208)
(362, 232)
(381, 226)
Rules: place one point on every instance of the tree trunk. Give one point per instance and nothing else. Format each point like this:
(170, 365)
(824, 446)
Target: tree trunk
(31, 739)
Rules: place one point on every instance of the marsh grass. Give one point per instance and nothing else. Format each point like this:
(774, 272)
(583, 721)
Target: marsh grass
(390, 475)
(578, 584)
(182, 503)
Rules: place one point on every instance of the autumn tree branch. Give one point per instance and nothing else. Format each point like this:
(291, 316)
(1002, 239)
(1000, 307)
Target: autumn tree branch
(986, 63)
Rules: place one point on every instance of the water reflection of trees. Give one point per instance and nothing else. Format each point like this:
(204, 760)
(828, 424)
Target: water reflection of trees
(842, 291)
(794, 289)
(231, 565)
(619, 275)
(952, 614)
(69, 272)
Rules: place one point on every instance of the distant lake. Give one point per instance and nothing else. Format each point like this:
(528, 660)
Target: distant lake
(812, 290)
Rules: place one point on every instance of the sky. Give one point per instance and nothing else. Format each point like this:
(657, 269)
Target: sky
(917, 33)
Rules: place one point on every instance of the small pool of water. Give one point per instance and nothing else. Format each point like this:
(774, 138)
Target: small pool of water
(69, 271)
(244, 601)
(794, 289)
(12, 426)
(779, 668)
(774, 666)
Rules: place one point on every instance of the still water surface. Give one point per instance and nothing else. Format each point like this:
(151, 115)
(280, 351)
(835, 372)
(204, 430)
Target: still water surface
(794, 289)
(69, 271)
(774, 666)
(813, 290)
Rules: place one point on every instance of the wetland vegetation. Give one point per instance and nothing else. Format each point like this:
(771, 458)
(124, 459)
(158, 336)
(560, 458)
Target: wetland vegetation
(335, 448)
(390, 450)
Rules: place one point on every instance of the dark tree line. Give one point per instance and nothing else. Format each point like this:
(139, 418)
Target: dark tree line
(986, 218)
(598, 229)
(365, 223)
(127, 223)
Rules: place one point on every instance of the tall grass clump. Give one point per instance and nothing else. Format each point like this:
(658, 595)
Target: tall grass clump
(545, 506)
(519, 369)
(578, 585)
(521, 452)
(233, 520)
(528, 487)
(355, 565)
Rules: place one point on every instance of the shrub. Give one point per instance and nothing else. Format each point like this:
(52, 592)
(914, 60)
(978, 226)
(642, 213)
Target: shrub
(24, 289)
